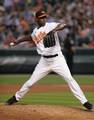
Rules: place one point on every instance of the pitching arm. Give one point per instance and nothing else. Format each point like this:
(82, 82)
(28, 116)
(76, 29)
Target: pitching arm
(27, 38)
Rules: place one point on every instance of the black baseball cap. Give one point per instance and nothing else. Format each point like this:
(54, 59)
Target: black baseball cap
(41, 14)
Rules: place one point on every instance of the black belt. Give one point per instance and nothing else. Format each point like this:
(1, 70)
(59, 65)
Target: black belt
(50, 56)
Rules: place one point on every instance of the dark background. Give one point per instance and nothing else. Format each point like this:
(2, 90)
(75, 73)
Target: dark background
(25, 60)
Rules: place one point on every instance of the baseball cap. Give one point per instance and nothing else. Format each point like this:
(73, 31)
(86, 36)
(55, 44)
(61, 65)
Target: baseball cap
(41, 14)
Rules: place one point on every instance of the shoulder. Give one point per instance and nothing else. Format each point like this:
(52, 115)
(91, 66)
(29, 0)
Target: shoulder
(35, 29)
(52, 23)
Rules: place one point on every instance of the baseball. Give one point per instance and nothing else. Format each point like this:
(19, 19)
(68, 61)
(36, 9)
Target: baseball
(11, 44)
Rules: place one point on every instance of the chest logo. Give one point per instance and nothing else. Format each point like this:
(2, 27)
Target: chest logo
(39, 37)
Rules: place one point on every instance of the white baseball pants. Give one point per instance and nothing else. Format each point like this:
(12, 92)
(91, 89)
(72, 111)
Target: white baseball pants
(58, 65)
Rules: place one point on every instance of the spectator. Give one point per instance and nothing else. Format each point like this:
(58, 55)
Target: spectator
(76, 12)
(69, 50)
(2, 26)
(19, 4)
(24, 26)
(8, 4)
(2, 12)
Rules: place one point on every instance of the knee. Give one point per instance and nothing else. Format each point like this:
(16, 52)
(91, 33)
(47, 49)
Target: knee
(69, 79)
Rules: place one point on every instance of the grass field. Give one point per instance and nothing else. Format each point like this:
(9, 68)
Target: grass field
(50, 79)
(58, 98)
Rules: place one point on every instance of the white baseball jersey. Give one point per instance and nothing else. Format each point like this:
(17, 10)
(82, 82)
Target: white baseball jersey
(49, 43)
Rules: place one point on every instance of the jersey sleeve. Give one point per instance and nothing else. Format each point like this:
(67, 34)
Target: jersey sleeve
(51, 26)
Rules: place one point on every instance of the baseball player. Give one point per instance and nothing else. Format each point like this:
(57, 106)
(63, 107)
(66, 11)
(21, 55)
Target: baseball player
(45, 37)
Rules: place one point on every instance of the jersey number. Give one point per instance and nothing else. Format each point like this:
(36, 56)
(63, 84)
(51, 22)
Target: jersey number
(49, 40)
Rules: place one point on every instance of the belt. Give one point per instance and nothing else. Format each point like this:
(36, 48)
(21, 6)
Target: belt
(50, 56)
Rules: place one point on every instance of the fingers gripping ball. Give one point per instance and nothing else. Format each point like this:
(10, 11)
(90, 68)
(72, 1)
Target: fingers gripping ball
(11, 44)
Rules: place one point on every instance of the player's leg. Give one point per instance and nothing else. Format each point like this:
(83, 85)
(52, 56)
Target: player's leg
(40, 71)
(62, 69)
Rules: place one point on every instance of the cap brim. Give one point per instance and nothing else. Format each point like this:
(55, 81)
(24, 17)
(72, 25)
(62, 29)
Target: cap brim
(42, 16)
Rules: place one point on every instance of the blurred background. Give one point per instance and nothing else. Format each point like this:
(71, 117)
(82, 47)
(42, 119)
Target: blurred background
(77, 41)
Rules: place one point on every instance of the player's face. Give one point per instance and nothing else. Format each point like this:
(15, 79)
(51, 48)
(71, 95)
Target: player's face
(41, 21)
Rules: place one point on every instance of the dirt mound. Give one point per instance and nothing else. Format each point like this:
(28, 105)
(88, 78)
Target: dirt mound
(43, 88)
(44, 112)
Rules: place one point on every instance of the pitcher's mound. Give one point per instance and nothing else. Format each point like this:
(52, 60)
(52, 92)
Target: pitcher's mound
(44, 112)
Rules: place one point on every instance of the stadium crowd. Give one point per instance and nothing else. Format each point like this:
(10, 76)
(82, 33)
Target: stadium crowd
(17, 18)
